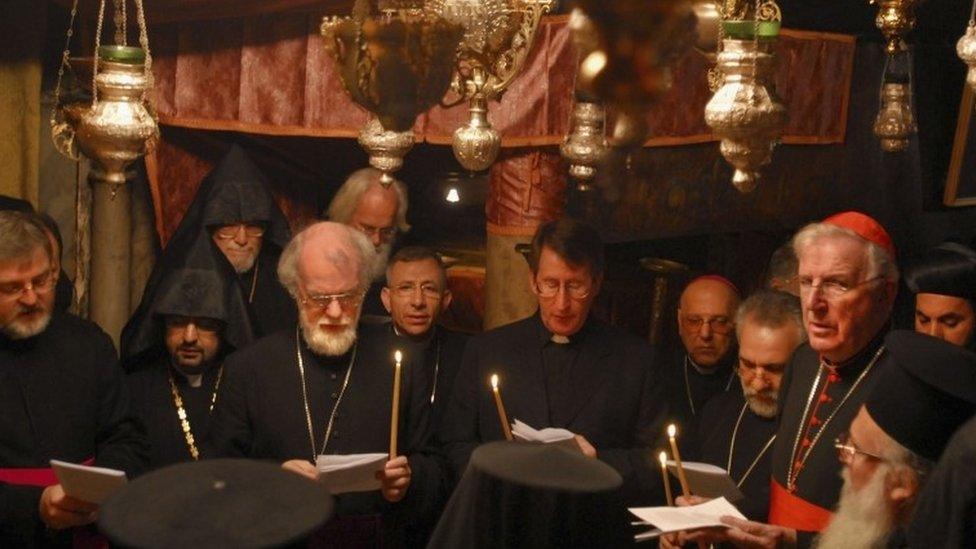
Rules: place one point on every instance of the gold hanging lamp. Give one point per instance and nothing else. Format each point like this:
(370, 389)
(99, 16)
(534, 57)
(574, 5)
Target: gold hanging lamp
(966, 48)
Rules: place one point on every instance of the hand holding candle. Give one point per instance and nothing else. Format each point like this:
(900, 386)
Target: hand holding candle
(395, 412)
(663, 457)
(672, 433)
(502, 416)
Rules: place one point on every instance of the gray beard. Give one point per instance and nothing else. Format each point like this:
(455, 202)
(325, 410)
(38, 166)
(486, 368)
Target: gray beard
(759, 407)
(22, 329)
(382, 258)
(243, 265)
(862, 520)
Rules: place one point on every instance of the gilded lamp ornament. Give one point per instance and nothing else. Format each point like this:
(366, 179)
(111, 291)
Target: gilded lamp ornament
(498, 35)
(395, 65)
(586, 145)
(895, 19)
(635, 42)
(118, 126)
(895, 122)
(744, 113)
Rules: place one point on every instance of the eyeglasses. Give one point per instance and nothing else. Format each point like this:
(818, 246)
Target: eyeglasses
(832, 288)
(228, 232)
(322, 301)
(549, 288)
(846, 450)
(718, 324)
(41, 284)
(385, 233)
(408, 289)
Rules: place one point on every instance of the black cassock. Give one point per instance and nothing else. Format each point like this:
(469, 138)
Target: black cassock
(62, 396)
(441, 361)
(603, 385)
(751, 453)
(260, 413)
(688, 390)
(154, 405)
(271, 306)
(828, 414)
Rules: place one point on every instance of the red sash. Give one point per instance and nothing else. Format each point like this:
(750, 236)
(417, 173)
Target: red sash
(41, 476)
(791, 511)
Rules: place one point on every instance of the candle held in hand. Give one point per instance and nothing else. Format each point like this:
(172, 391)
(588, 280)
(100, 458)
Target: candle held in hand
(502, 416)
(395, 411)
(672, 433)
(663, 457)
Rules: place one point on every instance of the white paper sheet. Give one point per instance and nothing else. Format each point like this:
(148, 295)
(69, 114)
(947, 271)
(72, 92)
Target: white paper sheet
(707, 480)
(91, 484)
(550, 435)
(674, 519)
(351, 473)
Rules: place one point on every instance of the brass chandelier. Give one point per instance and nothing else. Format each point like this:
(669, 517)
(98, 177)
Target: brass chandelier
(895, 123)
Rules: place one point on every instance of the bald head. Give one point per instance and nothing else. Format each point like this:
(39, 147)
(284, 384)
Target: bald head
(706, 314)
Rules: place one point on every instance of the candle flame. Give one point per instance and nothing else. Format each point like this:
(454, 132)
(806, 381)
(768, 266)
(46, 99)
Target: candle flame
(494, 381)
(398, 355)
(672, 430)
(663, 458)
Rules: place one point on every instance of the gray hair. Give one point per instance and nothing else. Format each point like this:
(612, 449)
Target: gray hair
(771, 309)
(288, 263)
(879, 262)
(344, 202)
(782, 264)
(20, 234)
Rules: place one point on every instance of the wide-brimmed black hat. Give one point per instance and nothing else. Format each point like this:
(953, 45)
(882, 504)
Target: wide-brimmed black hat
(927, 389)
(214, 504)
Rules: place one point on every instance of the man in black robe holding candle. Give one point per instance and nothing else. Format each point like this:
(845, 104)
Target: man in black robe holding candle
(325, 387)
(62, 396)
(562, 368)
(737, 429)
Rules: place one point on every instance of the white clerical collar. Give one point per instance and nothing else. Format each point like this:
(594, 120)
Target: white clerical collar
(701, 369)
(560, 339)
(193, 380)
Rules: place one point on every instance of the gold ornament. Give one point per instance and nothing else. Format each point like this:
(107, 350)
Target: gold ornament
(498, 36)
(966, 49)
(386, 148)
(895, 123)
(744, 113)
(629, 69)
(586, 145)
(395, 65)
(895, 19)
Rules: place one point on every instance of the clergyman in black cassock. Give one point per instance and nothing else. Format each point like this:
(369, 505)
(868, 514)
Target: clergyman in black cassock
(235, 192)
(260, 414)
(62, 396)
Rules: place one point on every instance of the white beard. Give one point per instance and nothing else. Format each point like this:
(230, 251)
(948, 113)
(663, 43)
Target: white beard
(243, 264)
(762, 408)
(862, 520)
(325, 343)
(382, 258)
(23, 329)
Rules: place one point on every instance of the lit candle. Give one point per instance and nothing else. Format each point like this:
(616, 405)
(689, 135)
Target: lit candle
(395, 412)
(502, 416)
(663, 456)
(672, 432)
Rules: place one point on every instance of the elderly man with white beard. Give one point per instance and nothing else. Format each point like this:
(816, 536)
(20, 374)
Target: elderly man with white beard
(927, 391)
(737, 428)
(380, 213)
(325, 387)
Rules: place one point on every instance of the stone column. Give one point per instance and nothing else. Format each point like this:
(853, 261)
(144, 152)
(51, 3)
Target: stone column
(111, 253)
(527, 188)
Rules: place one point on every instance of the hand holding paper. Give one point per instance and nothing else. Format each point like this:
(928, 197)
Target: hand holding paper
(674, 519)
(85, 483)
(351, 473)
(560, 437)
(708, 481)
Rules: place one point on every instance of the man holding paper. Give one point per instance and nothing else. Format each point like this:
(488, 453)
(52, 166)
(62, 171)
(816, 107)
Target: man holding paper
(324, 387)
(562, 368)
(62, 396)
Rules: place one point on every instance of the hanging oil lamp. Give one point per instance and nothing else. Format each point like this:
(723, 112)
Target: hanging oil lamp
(966, 48)
(744, 113)
(895, 123)
(586, 145)
(895, 19)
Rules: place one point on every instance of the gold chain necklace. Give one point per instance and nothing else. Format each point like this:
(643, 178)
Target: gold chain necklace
(691, 402)
(735, 432)
(184, 417)
(791, 475)
(335, 407)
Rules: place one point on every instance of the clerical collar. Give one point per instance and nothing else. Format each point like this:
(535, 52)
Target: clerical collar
(423, 342)
(545, 336)
(861, 358)
(720, 367)
(193, 380)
